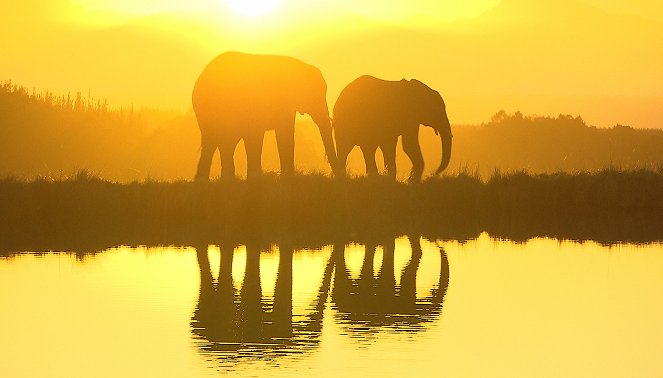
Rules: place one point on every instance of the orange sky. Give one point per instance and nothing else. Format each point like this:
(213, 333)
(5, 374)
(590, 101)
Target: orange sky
(597, 58)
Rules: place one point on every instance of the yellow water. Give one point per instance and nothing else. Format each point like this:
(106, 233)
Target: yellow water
(545, 308)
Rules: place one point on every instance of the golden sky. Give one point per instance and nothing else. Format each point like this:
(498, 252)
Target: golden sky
(597, 58)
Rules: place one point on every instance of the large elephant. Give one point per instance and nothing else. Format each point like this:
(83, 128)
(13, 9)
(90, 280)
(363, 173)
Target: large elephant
(236, 323)
(240, 96)
(372, 113)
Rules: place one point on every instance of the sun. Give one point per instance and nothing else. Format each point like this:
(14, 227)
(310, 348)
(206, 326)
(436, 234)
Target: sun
(253, 8)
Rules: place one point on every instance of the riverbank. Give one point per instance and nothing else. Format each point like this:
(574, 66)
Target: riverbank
(86, 213)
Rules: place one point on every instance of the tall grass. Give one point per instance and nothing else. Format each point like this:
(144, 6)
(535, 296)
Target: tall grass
(85, 212)
(20, 96)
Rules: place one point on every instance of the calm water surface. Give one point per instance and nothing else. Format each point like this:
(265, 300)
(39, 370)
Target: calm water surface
(401, 307)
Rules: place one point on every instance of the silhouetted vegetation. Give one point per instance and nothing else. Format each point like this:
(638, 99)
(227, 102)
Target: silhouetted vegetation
(45, 135)
(85, 213)
(49, 137)
(552, 144)
(42, 134)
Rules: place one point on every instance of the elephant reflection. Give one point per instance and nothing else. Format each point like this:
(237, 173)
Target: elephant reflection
(372, 113)
(378, 301)
(240, 96)
(242, 323)
(231, 320)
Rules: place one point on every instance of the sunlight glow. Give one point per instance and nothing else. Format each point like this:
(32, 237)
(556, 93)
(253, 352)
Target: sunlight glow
(253, 8)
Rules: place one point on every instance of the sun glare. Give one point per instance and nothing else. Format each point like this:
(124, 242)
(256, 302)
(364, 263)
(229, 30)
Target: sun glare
(252, 8)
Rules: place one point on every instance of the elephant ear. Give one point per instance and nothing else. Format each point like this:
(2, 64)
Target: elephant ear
(419, 97)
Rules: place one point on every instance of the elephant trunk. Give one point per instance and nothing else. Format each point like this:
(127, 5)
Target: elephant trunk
(445, 138)
(324, 125)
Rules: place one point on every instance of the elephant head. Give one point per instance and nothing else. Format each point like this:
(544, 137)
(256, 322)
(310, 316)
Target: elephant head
(310, 98)
(430, 110)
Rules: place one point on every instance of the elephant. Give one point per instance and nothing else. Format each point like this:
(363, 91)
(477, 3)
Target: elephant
(236, 321)
(370, 303)
(372, 113)
(240, 96)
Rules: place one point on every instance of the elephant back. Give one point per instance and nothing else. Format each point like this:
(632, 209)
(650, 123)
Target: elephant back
(239, 78)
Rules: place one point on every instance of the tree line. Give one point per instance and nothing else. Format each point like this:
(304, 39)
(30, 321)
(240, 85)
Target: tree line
(54, 136)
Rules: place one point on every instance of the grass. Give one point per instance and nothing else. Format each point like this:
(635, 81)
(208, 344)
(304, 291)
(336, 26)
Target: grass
(86, 213)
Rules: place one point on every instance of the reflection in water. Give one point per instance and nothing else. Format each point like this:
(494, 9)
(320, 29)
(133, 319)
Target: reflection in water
(243, 324)
(545, 308)
(370, 302)
(235, 324)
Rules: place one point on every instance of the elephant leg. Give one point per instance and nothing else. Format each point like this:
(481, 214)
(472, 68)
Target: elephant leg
(408, 285)
(227, 152)
(285, 141)
(205, 163)
(253, 145)
(251, 293)
(369, 159)
(386, 282)
(413, 151)
(344, 149)
(389, 154)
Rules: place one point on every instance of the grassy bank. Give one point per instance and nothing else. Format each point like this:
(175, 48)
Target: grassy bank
(85, 213)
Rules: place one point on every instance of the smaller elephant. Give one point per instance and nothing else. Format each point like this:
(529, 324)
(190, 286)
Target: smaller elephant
(372, 113)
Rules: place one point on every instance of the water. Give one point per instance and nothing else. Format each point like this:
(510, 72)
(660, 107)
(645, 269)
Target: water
(483, 307)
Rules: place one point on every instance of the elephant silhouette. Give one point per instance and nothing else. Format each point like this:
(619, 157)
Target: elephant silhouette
(239, 96)
(236, 322)
(372, 113)
(377, 302)
(236, 325)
